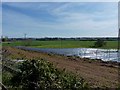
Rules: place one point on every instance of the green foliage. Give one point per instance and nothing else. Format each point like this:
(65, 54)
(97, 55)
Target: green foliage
(5, 39)
(60, 44)
(27, 42)
(40, 74)
(6, 77)
(99, 43)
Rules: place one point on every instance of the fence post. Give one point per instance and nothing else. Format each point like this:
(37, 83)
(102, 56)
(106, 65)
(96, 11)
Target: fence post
(3, 87)
(96, 53)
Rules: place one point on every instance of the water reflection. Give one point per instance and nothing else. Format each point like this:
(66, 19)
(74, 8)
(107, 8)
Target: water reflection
(103, 54)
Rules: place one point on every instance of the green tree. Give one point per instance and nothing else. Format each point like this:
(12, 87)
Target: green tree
(5, 39)
(99, 43)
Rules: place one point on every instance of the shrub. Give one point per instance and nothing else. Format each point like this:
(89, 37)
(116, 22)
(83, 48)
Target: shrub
(99, 43)
(40, 74)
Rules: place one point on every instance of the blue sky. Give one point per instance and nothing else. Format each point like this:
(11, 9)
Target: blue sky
(78, 19)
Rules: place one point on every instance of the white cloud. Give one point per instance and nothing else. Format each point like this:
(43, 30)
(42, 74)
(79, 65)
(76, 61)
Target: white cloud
(60, 0)
(74, 24)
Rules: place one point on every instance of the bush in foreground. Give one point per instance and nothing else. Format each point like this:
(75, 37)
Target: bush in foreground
(40, 74)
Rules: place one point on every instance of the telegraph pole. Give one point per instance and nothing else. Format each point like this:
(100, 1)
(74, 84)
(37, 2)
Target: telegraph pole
(118, 31)
(25, 36)
(118, 42)
(25, 39)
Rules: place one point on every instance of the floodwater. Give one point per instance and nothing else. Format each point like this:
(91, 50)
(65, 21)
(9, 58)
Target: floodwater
(92, 53)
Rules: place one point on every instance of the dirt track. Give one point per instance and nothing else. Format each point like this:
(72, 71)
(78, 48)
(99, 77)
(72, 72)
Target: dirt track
(96, 73)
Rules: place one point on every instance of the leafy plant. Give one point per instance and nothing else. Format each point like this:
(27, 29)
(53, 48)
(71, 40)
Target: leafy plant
(6, 77)
(40, 74)
(99, 43)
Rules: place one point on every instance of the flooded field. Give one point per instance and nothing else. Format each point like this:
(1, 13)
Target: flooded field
(92, 53)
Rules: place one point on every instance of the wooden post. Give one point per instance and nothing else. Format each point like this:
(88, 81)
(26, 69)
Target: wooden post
(96, 53)
(119, 42)
(3, 87)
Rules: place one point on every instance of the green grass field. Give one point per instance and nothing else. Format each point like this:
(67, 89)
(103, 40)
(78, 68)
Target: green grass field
(60, 44)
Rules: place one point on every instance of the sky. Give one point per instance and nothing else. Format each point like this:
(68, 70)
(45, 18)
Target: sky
(60, 19)
(60, 0)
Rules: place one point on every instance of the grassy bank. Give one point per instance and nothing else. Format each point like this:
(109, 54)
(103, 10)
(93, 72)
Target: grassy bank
(96, 73)
(60, 44)
(34, 74)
